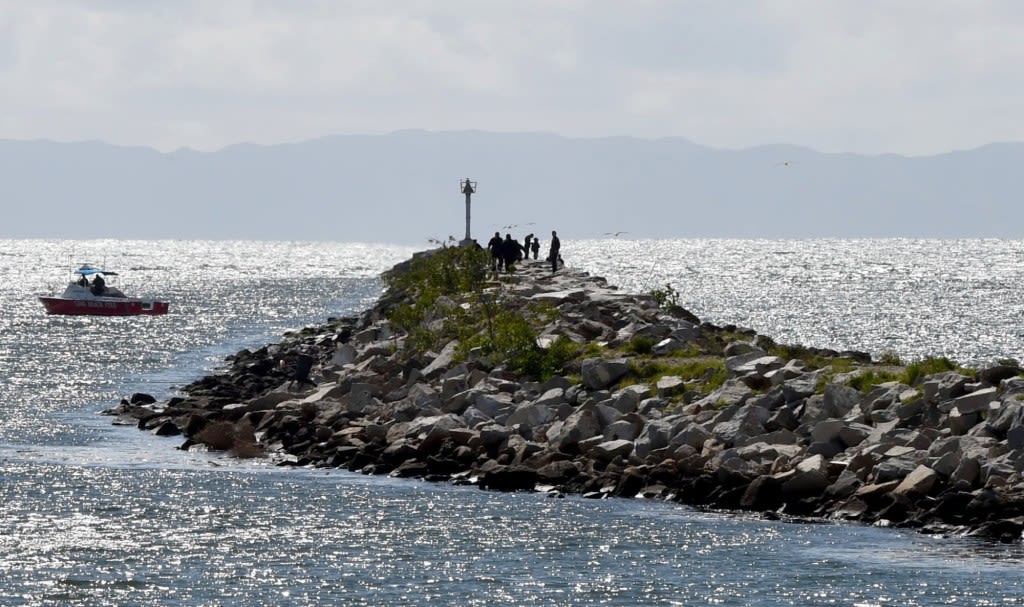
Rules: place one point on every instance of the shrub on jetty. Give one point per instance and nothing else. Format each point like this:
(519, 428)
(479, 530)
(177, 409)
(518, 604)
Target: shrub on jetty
(667, 297)
(448, 294)
(917, 371)
(425, 284)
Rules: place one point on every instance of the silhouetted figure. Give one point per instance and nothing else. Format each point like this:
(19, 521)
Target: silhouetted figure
(553, 252)
(83, 281)
(98, 285)
(536, 247)
(495, 245)
(303, 365)
(526, 245)
(512, 251)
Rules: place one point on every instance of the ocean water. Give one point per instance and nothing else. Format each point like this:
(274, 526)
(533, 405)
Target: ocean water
(97, 514)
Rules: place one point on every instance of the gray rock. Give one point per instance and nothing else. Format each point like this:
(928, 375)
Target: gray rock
(491, 404)
(442, 362)
(530, 416)
(810, 477)
(970, 403)
(599, 374)
(758, 366)
(609, 450)
(628, 399)
(670, 385)
(668, 346)
(692, 435)
(344, 354)
(943, 386)
(621, 429)
(654, 435)
(919, 482)
(473, 417)
(827, 430)
(1010, 414)
(894, 468)
(748, 421)
(579, 426)
(551, 397)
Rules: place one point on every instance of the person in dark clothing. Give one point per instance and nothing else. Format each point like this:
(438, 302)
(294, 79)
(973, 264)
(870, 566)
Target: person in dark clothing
(303, 366)
(526, 246)
(495, 246)
(536, 247)
(553, 252)
(98, 285)
(512, 251)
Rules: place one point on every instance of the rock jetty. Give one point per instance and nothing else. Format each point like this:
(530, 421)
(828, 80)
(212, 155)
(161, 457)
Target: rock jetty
(652, 403)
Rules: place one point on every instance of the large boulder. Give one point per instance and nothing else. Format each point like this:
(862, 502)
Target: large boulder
(509, 478)
(747, 422)
(530, 416)
(581, 425)
(609, 450)
(599, 374)
(809, 477)
(971, 403)
(918, 483)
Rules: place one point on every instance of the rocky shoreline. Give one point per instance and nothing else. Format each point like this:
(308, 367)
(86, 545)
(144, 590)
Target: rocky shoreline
(784, 431)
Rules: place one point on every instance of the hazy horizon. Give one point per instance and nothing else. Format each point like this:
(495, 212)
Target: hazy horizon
(403, 188)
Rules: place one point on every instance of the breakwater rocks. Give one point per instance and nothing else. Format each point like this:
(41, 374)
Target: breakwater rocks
(657, 404)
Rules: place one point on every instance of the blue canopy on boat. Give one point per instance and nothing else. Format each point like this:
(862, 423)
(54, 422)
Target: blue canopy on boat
(89, 271)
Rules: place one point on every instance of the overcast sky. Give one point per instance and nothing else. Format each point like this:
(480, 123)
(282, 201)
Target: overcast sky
(912, 77)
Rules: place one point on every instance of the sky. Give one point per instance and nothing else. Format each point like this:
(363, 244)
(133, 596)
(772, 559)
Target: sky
(910, 77)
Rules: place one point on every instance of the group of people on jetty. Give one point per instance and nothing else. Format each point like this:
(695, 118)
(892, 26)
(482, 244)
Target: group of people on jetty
(505, 253)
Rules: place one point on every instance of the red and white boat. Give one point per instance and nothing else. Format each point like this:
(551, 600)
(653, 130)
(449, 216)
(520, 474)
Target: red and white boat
(90, 294)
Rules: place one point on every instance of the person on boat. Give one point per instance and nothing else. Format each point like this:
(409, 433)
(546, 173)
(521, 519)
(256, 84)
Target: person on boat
(98, 285)
(83, 281)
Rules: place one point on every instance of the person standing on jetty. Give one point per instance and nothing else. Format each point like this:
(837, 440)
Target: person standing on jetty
(513, 252)
(494, 245)
(553, 252)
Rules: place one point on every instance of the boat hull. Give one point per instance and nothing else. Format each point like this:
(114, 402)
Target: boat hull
(104, 306)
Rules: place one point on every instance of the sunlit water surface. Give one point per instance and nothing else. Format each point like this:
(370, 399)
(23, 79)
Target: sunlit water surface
(95, 514)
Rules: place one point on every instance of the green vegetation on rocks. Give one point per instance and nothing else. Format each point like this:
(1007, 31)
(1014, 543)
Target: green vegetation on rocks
(451, 293)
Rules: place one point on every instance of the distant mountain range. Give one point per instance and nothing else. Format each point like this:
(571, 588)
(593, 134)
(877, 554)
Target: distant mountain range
(403, 188)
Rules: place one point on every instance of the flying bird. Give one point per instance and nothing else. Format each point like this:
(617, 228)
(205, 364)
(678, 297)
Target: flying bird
(785, 163)
(616, 234)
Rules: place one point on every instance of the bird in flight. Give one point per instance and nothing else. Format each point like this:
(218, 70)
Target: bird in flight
(785, 163)
(616, 234)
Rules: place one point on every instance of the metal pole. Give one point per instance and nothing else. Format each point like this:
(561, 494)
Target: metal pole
(468, 187)
(469, 192)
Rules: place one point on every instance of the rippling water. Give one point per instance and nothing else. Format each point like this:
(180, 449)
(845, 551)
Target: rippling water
(95, 514)
(914, 298)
